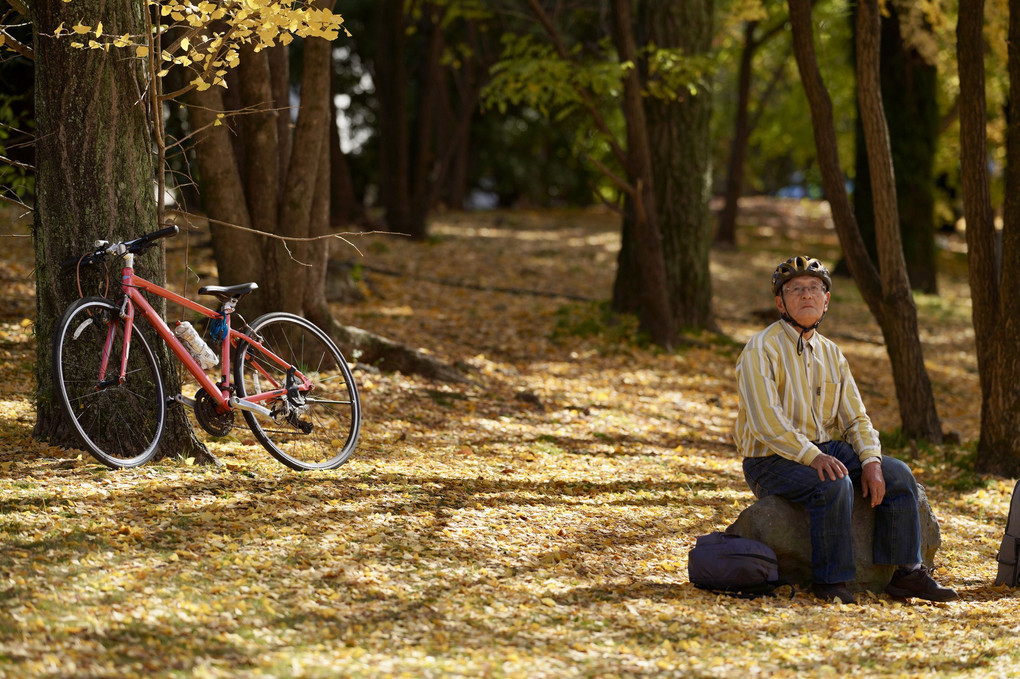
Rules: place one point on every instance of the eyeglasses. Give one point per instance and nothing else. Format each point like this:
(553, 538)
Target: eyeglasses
(798, 290)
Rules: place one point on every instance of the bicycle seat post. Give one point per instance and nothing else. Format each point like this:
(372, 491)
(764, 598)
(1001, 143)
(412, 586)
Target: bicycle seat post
(226, 309)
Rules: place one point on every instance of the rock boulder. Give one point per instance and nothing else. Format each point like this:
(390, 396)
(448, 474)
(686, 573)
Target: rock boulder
(783, 526)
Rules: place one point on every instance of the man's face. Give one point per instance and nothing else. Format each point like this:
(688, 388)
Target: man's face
(805, 300)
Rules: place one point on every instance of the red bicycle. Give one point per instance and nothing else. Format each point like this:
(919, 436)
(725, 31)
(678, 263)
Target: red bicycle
(289, 379)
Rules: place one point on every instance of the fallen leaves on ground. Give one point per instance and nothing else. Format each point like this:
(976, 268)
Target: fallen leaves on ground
(532, 522)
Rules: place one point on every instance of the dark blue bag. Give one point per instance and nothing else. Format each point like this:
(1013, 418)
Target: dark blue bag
(724, 562)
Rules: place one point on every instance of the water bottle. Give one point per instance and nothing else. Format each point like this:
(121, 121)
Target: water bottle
(197, 347)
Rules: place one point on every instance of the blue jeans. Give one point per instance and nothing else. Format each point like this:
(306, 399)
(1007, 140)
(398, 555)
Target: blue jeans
(830, 504)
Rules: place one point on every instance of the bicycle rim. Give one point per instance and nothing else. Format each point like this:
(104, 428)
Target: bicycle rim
(120, 424)
(319, 430)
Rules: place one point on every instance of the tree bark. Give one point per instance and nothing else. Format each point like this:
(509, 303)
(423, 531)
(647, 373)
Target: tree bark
(394, 137)
(238, 254)
(653, 296)
(887, 294)
(680, 141)
(424, 153)
(289, 268)
(909, 93)
(996, 314)
(94, 180)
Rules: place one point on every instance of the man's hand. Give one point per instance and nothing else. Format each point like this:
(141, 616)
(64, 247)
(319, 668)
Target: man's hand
(873, 482)
(827, 464)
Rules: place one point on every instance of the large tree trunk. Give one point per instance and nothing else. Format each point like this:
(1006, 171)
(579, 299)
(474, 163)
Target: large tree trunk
(680, 141)
(291, 267)
(887, 295)
(94, 180)
(424, 152)
(996, 313)
(238, 253)
(394, 136)
(909, 89)
(648, 272)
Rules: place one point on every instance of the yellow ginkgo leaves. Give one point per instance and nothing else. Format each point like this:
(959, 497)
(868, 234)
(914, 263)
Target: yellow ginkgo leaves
(209, 35)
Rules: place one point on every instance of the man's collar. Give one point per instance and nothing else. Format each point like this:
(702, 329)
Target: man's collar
(794, 333)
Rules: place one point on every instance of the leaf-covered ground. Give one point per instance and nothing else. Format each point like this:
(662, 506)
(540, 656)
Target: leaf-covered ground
(533, 522)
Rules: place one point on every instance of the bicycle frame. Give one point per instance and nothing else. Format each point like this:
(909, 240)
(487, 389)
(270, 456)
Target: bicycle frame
(132, 287)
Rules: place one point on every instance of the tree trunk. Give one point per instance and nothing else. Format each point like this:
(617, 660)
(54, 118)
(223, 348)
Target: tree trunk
(259, 134)
(909, 89)
(424, 153)
(996, 315)
(344, 206)
(679, 134)
(94, 177)
(315, 304)
(653, 296)
(279, 75)
(290, 267)
(238, 253)
(887, 295)
(726, 232)
(391, 90)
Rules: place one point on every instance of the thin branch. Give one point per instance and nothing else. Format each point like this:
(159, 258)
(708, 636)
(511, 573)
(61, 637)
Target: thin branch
(16, 45)
(226, 114)
(340, 235)
(15, 202)
(623, 184)
(13, 163)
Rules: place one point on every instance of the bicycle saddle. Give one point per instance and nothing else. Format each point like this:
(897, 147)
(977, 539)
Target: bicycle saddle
(225, 293)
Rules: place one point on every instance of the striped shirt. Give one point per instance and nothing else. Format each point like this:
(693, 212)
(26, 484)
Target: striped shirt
(788, 401)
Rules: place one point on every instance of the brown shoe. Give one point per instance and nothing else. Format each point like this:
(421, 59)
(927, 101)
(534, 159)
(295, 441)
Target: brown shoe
(918, 583)
(835, 590)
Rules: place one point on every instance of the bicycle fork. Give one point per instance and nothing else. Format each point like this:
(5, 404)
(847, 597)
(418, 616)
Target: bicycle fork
(127, 314)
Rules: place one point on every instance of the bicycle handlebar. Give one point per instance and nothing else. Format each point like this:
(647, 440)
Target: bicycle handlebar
(103, 249)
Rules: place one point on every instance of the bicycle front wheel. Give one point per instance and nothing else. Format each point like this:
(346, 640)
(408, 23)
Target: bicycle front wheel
(314, 428)
(120, 423)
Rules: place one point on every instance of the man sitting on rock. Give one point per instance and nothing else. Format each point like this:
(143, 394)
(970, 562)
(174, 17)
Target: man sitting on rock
(806, 436)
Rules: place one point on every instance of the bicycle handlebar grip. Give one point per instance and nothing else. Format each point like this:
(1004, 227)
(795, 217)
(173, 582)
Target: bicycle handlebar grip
(144, 242)
(72, 262)
(163, 233)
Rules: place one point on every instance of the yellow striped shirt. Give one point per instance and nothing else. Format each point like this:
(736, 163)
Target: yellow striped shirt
(787, 400)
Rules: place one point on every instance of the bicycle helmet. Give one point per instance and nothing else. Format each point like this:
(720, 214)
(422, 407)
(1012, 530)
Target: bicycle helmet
(793, 268)
(800, 266)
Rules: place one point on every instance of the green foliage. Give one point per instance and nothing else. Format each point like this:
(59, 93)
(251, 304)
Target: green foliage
(674, 75)
(782, 141)
(530, 73)
(539, 95)
(15, 121)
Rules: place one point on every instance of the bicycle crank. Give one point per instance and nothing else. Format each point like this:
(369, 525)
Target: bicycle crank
(217, 424)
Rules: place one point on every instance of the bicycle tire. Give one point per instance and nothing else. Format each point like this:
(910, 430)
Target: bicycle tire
(120, 424)
(332, 411)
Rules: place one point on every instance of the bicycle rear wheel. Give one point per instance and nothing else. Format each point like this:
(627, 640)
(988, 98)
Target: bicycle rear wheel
(120, 423)
(314, 429)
